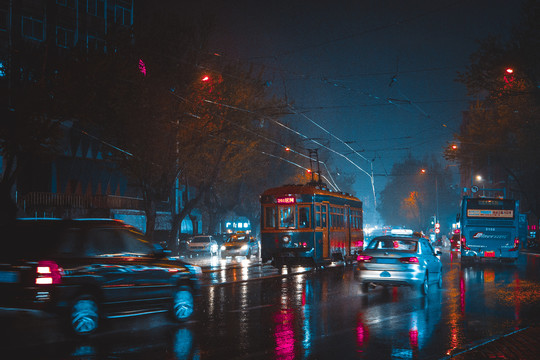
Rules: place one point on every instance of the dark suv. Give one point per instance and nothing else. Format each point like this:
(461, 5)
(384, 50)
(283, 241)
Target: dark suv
(87, 270)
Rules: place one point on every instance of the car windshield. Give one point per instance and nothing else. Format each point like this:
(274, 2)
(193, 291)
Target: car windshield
(393, 244)
(200, 240)
(237, 238)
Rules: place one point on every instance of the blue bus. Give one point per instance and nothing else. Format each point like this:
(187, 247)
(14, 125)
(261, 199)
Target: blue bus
(309, 225)
(489, 229)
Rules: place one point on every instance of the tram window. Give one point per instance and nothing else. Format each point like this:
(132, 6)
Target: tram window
(323, 216)
(286, 217)
(269, 217)
(303, 217)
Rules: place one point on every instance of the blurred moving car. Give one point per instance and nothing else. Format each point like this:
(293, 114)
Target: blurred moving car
(399, 261)
(455, 242)
(203, 245)
(89, 270)
(240, 244)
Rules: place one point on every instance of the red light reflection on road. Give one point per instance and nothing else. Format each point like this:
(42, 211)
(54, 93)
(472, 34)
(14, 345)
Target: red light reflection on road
(517, 303)
(362, 334)
(284, 334)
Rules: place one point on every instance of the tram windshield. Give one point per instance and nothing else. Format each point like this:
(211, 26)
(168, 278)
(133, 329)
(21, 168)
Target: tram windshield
(286, 217)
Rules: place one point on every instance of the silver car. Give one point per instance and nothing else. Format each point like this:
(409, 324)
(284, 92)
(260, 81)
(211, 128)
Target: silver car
(399, 261)
(240, 245)
(203, 245)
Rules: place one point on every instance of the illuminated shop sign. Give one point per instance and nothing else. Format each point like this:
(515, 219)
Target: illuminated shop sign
(286, 200)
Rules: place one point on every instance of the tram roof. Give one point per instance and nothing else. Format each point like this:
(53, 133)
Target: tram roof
(308, 190)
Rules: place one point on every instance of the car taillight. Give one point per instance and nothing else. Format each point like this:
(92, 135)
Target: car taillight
(409, 260)
(516, 244)
(364, 258)
(48, 272)
(464, 243)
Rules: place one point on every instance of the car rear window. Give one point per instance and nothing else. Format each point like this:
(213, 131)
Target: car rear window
(393, 244)
(34, 240)
(204, 239)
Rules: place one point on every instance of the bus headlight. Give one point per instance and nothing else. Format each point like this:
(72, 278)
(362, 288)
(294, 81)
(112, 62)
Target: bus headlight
(286, 239)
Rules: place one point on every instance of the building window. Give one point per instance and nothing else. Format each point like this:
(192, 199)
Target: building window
(96, 7)
(96, 44)
(64, 37)
(32, 28)
(123, 14)
(66, 3)
(3, 20)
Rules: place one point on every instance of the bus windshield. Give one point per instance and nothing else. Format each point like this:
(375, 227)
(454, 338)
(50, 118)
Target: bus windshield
(490, 208)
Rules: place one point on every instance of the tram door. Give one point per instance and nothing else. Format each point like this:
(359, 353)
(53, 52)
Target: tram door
(325, 230)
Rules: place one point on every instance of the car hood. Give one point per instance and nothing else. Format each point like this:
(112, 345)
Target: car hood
(235, 243)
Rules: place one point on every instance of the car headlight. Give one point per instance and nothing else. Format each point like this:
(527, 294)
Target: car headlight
(213, 247)
(244, 247)
(223, 248)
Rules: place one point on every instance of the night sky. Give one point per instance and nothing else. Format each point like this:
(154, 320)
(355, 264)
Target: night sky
(377, 74)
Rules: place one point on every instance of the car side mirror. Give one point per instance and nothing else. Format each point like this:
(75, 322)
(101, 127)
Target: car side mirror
(438, 253)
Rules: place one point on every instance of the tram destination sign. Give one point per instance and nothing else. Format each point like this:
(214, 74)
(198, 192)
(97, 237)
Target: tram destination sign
(286, 200)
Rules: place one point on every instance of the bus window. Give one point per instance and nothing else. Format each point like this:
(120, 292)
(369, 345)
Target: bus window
(269, 217)
(303, 217)
(286, 217)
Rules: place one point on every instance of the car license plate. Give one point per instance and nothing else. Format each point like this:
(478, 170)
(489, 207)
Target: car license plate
(9, 277)
(489, 253)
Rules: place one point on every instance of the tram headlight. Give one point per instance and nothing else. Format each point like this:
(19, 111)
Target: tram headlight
(223, 248)
(244, 247)
(286, 239)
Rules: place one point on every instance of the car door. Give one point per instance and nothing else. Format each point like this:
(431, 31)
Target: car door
(433, 263)
(104, 253)
(152, 278)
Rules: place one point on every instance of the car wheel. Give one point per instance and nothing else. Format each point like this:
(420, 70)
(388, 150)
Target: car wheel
(84, 315)
(364, 287)
(183, 305)
(439, 281)
(424, 288)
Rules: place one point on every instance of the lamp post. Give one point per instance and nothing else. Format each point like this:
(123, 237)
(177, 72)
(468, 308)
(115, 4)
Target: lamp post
(423, 172)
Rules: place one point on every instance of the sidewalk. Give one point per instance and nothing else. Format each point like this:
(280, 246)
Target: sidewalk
(520, 344)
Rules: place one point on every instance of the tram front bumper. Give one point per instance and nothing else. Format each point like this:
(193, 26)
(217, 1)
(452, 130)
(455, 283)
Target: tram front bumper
(300, 256)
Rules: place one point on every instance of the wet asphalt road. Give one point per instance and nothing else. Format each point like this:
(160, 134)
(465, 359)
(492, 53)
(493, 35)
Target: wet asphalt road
(250, 311)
